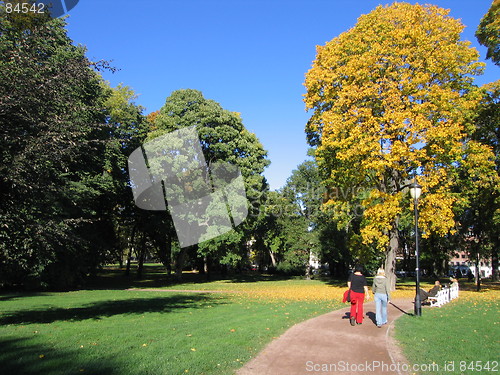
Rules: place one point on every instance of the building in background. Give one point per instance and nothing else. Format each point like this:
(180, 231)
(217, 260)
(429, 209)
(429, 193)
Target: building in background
(460, 262)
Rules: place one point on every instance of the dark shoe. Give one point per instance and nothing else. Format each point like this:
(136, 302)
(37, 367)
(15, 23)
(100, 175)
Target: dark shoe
(379, 326)
(358, 323)
(353, 321)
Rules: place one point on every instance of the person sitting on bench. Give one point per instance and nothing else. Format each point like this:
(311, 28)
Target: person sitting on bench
(431, 293)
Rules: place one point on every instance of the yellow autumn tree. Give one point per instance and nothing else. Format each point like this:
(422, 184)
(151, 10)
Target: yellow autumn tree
(390, 98)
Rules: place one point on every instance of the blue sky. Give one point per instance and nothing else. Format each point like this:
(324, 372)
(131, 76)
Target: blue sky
(248, 55)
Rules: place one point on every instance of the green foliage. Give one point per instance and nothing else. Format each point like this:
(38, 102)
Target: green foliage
(287, 228)
(488, 32)
(305, 190)
(479, 219)
(221, 132)
(304, 187)
(56, 167)
(279, 227)
(223, 138)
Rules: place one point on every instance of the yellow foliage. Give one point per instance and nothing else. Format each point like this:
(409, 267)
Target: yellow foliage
(393, 94)
(381, 211)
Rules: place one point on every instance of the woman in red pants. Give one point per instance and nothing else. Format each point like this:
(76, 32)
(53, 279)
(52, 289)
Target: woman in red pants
(359, 290)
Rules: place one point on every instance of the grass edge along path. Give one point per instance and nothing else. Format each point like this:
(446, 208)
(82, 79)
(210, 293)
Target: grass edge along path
(461, 337)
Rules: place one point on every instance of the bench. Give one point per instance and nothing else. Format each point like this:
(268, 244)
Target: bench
(444, 296)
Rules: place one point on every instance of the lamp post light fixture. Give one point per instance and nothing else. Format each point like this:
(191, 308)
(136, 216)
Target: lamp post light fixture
(415, 191)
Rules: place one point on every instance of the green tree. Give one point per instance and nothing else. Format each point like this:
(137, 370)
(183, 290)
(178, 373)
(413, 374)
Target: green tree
(304, 187)
(53, 180)
(268, 236)
(390, 97)
(287, 231)
(283, 241)
(488, 32)
(128, 129)
(305, 190)
(480, 220)
(224, 138)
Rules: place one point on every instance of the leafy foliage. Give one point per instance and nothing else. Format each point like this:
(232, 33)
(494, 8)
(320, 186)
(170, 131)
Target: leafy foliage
(480, 219)
(54, 182)
(488, 32)
(223, 138)
(390, 97)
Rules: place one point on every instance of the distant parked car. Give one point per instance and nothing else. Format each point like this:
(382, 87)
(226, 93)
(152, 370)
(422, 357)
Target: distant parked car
(460, 271)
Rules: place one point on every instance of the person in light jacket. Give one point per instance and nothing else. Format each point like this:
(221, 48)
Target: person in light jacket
(382, 291)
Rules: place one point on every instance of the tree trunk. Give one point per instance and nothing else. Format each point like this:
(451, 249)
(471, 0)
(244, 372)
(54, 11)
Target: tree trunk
(131, 249)
(142, 254)
(443, 266)
(120, 258)
(494, 263)
(179, 263)
(478, 275)
(168, 244)
(165, 253)
(390, 257)
(308, 266)
(208, 267)
(205, 264)
(273, 259)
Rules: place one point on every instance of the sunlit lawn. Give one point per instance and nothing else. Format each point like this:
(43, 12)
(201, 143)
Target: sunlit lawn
(113, 328)
(112, 331)
(461, 337)
(122, 332)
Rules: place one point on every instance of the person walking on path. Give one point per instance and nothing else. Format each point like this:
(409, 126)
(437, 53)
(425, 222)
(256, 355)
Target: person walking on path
(381, 291)
(327, 339)
(359, 291)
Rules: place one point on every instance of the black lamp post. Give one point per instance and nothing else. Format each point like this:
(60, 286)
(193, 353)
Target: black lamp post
(415, 191)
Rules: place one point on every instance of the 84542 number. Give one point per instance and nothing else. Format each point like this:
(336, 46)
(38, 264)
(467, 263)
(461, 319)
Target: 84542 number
(25, 8)
(479, 366)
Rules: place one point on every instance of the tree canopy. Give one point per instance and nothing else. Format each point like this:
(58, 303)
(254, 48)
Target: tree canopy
(53, 182)
(224, 138)
(392, 98)
(488, 32)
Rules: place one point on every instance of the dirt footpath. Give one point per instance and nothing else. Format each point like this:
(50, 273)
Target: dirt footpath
(328, 344)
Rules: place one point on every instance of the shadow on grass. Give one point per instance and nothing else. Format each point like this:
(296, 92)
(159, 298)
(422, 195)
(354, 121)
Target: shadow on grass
(255, 277)
(154, 276)
(19, 356)
(400, 309)
(335, 283)
(8, 297)
(104, 309)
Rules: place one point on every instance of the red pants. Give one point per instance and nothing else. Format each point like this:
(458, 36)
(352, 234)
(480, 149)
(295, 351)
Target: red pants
(357, 300)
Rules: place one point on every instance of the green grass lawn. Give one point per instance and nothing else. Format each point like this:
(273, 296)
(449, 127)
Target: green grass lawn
(462, 337)
(112, 331)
